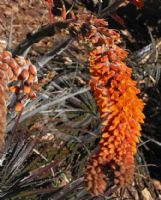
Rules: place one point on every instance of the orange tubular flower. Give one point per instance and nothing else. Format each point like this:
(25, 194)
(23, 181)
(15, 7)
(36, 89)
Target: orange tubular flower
(11, 69)
(118, 104)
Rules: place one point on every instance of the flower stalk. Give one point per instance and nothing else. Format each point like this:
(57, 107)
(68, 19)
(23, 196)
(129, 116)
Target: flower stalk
(121, 111)
(23, 74)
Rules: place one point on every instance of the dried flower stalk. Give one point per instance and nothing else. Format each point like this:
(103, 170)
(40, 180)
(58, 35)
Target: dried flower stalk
(24, 75)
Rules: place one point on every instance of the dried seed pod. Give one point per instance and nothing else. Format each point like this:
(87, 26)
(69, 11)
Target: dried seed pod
(14, 89)
(32, 70)
(30, 79)
(24, 75)
(26, 89)
(32, 94)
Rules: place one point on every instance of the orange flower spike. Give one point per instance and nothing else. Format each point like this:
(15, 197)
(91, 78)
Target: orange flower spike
(116, 106)
(120, 108)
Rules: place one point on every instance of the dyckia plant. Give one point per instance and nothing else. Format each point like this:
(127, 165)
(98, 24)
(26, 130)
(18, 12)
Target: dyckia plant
(116, 95)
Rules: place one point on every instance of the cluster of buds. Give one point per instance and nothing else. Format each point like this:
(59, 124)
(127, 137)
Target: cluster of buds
(20, 75)
(118, 104)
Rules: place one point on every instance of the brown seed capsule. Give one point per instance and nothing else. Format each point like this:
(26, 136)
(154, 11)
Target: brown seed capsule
(24, 74)
(32, 69)
(16, 70)
(26, 89)
(4, 66)
(12, 63)
(10, 73)
(30, 79)
(32, 94)
(14, 89)
(6, 54)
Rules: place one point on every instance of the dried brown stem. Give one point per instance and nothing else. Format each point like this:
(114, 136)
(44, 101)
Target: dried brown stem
(46, 31)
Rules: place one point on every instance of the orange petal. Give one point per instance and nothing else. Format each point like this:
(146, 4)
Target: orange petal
(26, 89)
(18, 107)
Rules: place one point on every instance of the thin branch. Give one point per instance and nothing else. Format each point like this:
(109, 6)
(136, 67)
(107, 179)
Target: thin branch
(10, 39)
(68, 189)
(112, 8)
(152, 140)
(51, 54)
(46, 31)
